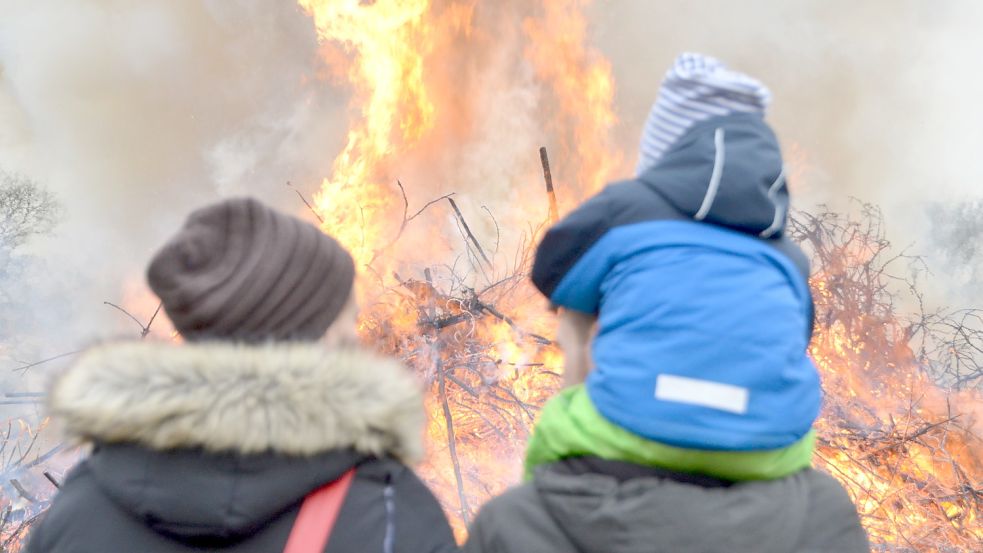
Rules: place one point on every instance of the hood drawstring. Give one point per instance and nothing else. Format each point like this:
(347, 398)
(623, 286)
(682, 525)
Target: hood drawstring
(389, 495)
(777, 223)
(718, 171)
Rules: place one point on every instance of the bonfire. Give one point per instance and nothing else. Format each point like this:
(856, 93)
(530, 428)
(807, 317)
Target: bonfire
(444, 276)
(454, 302)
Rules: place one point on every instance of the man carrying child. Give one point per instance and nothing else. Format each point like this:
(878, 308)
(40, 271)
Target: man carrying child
(685, 320)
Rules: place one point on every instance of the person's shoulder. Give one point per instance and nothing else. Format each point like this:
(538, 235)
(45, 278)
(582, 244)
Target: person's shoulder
(392, 471)
(825, 491)
(833, 518)
(79, 503)
(522, 497)
(425, 526)
(500, 519)
(516, 520)
(793, 252)
(518, 508)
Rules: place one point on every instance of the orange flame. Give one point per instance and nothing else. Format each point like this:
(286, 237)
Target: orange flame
(402, 60)
(581, 78)
(475, 335)
(388, 40)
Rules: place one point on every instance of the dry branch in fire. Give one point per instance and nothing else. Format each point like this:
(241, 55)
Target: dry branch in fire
(24, 491)
(909, 456)
(455, 334)
(26, 487)
(451, 323)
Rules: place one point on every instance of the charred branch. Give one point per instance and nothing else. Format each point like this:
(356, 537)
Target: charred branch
(22, 491)
(308, 204)
(550, 192)
(448, 415)
(51, 479)
(470, 235)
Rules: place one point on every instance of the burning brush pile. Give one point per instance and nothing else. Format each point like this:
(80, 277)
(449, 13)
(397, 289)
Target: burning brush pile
(909, 451)
(26, 486)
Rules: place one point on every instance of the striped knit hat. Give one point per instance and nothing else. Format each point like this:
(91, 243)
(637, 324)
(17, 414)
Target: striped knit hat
(697, 87)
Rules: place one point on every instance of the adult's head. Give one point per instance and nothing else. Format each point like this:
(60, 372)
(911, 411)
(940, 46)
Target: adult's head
(240, 271)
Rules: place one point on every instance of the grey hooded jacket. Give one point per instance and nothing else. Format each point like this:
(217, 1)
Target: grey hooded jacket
(595, 506)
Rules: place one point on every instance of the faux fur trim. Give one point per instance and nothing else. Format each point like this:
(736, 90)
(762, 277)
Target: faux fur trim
(296, 399)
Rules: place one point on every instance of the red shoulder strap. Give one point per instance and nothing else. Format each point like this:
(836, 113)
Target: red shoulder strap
(317, 516)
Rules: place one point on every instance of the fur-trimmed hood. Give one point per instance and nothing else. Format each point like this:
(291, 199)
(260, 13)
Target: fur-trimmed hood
(291, 399)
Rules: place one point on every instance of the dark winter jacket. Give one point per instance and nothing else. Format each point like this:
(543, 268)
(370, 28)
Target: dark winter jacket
(592, 506)
(213, 447)
(692, 254)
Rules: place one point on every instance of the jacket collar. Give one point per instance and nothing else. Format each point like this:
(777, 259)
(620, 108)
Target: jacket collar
(288, 398)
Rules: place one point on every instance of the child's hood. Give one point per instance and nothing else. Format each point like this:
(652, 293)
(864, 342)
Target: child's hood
(727, 171)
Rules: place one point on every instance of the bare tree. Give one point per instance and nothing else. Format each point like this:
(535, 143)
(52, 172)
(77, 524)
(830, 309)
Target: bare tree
(26, 210)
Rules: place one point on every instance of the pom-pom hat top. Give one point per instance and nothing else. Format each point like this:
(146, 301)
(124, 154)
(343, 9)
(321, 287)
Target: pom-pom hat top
(239, 270)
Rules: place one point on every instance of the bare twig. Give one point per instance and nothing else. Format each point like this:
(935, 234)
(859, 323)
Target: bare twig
(144, 329)
(51, 479)
(548, 176)
(48, 360)
(22, 491)
(406, 220)
(308, 204)
(467, 229)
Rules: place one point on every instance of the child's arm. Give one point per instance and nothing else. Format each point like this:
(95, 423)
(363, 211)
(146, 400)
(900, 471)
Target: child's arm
(569, 270)
(574, 333)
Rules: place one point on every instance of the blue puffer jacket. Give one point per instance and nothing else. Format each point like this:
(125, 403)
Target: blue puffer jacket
(704, 308)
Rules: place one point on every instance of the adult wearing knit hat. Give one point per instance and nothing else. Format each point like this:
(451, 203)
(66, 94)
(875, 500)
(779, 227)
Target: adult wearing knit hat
(264, 427)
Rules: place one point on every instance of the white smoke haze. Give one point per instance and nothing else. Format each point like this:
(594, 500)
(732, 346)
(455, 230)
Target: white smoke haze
(133, 113)
(880, 97)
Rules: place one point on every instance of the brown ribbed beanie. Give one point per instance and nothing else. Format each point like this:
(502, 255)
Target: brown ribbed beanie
(239, 270)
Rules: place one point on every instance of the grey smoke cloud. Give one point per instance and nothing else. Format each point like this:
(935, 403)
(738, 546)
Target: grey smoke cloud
(135, 112)
(877, 100)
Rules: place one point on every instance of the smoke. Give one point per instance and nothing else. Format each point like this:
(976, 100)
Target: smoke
(134, 113)
(873, 100)
(958, 230)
